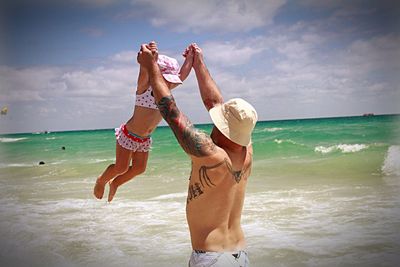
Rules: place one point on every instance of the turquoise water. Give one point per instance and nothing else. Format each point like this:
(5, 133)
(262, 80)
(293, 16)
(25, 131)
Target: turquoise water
(323, 192)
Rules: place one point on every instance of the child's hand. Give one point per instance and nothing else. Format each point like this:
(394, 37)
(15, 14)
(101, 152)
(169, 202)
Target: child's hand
(189, 52)
(153, 47)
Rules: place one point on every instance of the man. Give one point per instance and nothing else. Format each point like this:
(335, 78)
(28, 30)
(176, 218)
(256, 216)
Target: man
(221, 164)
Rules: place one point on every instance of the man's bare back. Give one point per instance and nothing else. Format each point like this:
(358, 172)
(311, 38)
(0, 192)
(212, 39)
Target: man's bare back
(215, 200)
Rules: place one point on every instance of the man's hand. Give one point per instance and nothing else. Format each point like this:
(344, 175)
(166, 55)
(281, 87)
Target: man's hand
(189, 51)
(198, 55)
(146, 57)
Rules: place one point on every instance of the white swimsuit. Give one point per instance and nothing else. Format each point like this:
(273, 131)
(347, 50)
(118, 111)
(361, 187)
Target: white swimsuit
(146, 99)
(132, 141)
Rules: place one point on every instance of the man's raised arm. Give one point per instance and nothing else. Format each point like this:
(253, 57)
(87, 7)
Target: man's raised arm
(209, 91)
(194, 142)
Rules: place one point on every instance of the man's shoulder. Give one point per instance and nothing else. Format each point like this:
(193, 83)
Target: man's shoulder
(217, 154)
(220, 152)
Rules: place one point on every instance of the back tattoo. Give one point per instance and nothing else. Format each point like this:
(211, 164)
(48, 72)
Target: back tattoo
(197, 189)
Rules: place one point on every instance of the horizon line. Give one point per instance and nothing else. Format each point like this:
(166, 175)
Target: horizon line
(366, 115)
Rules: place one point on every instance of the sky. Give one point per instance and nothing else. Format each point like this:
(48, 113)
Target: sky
(71, 65)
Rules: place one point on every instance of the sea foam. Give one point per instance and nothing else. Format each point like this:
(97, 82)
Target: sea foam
(11, 140)
(273, 129)
(280, 141)
(7, 165)
(391, 165)
(170, 196)
(344, 148)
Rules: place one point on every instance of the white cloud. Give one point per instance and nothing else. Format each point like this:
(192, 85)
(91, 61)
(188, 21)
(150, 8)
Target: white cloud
(45, 83)
(377, 53)
(125, 57)
(229, 54)
(300, 70)
(224, 15)
(98, 82)
(315, 80)
(68, 99)
(26, 84)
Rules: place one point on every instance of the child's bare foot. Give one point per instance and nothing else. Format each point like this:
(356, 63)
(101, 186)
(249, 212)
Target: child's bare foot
(98, 190)
(112, 191)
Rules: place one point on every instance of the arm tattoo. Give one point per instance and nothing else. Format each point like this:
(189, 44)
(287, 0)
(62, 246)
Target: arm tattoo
(192, 140)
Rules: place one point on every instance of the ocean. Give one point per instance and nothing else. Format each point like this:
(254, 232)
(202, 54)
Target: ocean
(323, 192)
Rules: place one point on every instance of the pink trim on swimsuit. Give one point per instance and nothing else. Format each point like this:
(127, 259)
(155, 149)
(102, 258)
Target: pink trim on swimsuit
(131, 142)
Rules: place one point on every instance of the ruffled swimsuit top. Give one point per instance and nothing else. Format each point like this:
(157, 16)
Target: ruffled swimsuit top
(146, 99)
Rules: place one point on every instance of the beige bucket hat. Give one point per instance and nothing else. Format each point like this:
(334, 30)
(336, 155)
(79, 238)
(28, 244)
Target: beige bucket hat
(235, 119)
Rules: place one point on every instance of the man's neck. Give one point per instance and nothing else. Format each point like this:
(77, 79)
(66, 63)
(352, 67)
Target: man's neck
(230, 147)
(233, 148)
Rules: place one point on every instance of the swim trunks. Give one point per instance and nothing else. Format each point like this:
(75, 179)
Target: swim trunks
(219, 259)
(131, 141)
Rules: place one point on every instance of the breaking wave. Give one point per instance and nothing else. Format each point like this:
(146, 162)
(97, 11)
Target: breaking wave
(344, 148)
(391, 165)
(11, 140)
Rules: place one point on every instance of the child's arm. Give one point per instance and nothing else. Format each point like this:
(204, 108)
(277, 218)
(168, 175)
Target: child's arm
(143, 82)
(187, 64)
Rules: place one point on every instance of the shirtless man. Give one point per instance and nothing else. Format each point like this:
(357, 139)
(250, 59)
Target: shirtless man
(221, 164)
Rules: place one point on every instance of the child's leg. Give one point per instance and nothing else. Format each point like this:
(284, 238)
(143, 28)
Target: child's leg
(139, 163)
(122, 159)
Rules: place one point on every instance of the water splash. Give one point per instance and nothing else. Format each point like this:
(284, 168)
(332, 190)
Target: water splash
(391, 165)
